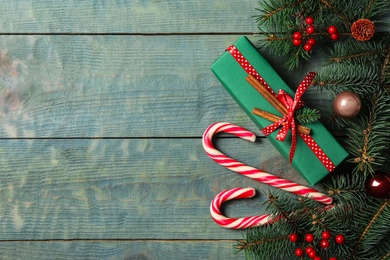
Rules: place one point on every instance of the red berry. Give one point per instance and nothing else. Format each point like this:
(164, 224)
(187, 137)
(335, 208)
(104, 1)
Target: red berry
(309, 20)
(335, 36)
(299, 252)
(332, 29)
(293, 237)
(307, 47)
(297, 42)
(311, 41)
(340, 239)
(309, 238)
(312, 254)
(333, 258)
(310, 29)
(297, 35)
(325, 243)
(309, 249)
(325, 235)
(317, 258)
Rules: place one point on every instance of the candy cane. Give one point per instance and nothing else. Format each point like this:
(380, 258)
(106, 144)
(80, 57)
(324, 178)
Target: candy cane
(236, 223)
(252, 172)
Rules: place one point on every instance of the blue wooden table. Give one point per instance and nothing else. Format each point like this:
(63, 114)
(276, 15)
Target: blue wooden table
(102, 109)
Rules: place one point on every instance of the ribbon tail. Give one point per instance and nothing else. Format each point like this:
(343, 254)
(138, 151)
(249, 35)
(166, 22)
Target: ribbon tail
(293, 140)
(282, 134)
(269, 129)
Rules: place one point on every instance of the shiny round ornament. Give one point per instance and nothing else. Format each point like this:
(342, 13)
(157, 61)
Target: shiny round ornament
(347, 104)
(378, 186)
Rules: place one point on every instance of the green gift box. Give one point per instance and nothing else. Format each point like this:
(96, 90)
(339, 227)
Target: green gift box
(231, 73)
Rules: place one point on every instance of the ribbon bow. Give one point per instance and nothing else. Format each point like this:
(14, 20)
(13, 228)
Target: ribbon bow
(288, 121)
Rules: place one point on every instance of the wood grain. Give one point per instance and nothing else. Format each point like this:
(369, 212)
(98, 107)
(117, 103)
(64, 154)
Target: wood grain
(102, 108)
(94, 16)
(124, 189)
(113, 86)
(120, 250)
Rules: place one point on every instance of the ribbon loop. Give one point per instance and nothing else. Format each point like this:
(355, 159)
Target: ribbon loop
(288, 121)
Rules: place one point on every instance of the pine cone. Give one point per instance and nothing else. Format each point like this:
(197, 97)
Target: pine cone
(363, 30)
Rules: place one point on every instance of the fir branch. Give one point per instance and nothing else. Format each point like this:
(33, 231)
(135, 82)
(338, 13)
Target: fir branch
(265, 241)
(369, 226)
(387, 256)
(245, 245)
(335, 78)
(347, 189)
(273, 200)
(358, 53)
(370, 4)
(307, 115)
(369, 138)
(375, 8)
(275, 12)
(352, 56)
(364, 159)
(337, 12)
(385, 70)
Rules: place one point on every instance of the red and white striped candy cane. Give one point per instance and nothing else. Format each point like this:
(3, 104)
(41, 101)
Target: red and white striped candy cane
(236, 223)
(252, 172)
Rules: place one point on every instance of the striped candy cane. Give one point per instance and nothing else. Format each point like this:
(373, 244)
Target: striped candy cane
(252, 172)
(236, 223)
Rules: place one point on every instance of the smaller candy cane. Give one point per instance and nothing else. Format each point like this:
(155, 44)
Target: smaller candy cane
(236, 223)
(252, 172)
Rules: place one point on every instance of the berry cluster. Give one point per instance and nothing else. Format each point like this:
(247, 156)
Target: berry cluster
(334, 35)
(310, 29)
(310, 250)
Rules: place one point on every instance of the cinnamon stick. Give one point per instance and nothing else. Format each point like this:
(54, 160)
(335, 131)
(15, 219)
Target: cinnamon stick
(274, 118)
(266, 94)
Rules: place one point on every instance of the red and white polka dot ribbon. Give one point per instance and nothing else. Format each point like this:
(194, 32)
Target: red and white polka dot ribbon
(236, 223)
(252, 172)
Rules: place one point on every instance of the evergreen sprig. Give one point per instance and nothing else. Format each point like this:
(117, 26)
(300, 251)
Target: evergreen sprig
(278, 20)
(307, 115)
(369, 137)
(336, 78)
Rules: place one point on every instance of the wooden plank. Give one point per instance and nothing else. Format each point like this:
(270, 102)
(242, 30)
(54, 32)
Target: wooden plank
(137, 250)
(47, 16)
(125, 188)
(115, 86)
